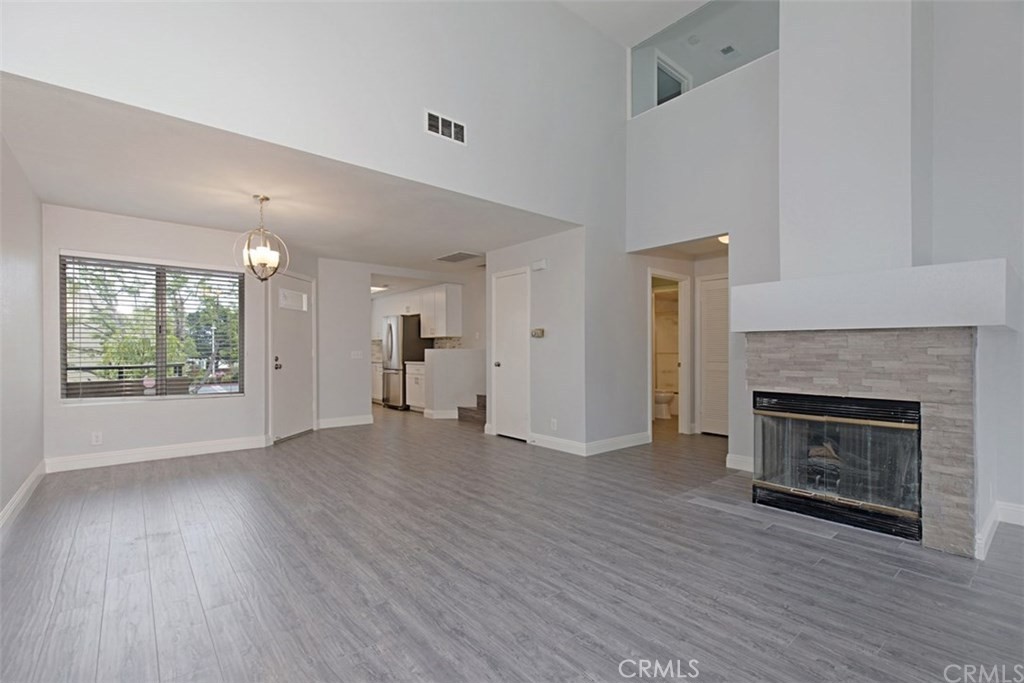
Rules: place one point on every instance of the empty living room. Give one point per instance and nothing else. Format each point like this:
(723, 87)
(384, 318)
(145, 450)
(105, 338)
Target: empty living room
(695, 352)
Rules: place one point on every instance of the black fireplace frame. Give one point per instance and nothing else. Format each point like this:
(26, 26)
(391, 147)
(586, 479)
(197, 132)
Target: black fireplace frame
(902, 524)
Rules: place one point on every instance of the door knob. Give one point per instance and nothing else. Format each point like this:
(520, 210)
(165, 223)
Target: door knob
(277, 366)
(497, 363)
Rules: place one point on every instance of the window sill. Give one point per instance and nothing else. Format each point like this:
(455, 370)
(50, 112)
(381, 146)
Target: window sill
(79, 402)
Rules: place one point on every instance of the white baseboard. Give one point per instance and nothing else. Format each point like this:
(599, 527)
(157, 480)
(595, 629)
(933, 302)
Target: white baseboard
(442, 414)
(556, 444)
(739, 462)
(689, 429)
(617, 443)
(1010, 513)
(591, 447)
(85, 461)
(21, 496)
(351, 421)
(489, 429)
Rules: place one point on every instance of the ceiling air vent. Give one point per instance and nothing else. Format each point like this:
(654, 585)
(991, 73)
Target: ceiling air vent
(446, 128)
(459, 256)
(727, 50)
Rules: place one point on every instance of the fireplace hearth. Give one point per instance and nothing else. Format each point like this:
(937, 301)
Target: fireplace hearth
(850, 460)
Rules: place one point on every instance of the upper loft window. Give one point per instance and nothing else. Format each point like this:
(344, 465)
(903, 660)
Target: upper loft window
(139, 329)
(711, 41)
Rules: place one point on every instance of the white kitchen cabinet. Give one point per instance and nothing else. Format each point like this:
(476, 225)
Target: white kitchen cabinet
(439, 308)
(415, 386)
(441, 311)
(377, 392)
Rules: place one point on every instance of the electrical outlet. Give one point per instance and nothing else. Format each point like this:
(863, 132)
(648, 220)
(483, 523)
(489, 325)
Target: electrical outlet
(96, 439)
(554, 425)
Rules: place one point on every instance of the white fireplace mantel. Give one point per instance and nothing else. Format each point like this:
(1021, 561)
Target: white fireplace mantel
(965, 294)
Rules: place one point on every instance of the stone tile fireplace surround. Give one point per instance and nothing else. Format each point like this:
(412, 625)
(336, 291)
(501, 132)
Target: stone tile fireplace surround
(934, 366)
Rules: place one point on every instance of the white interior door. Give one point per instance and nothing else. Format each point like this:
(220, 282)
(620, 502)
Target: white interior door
(291, 352)
(510, 374)
(685, 358)
(713, 341)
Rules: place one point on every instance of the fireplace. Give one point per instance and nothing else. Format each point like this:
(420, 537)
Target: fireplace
(850, 460)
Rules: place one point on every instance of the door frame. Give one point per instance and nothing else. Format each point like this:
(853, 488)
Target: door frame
(270, 353)
(685, 350)
(699, 280)
(489, 427)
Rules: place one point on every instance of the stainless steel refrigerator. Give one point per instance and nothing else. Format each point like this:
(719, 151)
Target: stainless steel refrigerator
(401, 343)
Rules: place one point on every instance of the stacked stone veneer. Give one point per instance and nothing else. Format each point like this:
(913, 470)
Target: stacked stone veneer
(932, 365)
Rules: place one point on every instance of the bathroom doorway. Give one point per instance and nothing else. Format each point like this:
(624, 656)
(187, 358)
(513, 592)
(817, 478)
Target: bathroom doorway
(669, 352)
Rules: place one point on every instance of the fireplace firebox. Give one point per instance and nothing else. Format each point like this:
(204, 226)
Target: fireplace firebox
(850, 460)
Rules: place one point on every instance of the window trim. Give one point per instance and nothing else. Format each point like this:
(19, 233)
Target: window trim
(661, 61)
(130, 260)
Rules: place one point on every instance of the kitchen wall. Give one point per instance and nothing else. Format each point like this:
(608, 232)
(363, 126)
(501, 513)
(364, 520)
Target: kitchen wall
(344, 328)
(138, 426)
(474, 335)
(21, 337)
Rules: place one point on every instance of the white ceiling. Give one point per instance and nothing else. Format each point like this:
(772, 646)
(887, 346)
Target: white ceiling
(90, 153)
(706, 247)
(629, 22)
(396, 284)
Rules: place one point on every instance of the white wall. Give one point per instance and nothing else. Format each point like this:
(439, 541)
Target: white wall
(704, 164)
(287, 73)
(343, 315)
(557, 300)
(130, 424)
(999, 473)
(546, 136)
(978, 205)
(844, 137)
(21, 335)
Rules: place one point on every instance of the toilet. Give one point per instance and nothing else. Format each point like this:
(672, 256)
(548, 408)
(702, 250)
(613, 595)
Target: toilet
(663, 405)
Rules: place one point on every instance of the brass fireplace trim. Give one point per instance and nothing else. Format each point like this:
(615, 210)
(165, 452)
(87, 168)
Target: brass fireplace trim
(843, 420)
(849, 502)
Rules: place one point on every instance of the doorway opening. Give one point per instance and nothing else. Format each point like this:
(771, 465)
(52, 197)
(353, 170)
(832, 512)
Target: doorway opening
(689, 338)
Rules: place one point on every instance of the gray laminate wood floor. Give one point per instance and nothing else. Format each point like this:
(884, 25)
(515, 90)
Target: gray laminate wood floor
(416, 550)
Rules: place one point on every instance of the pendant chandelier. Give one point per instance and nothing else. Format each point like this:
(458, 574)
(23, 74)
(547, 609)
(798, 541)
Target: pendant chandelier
(263, 253)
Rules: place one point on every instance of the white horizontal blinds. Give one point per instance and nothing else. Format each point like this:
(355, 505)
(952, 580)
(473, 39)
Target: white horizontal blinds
(130, 329)
(108, 328)
(205, 341)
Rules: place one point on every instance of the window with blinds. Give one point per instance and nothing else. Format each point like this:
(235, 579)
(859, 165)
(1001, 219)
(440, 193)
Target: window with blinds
(136, 329)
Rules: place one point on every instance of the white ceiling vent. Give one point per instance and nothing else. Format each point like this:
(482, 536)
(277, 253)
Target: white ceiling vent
(446, 128)
(459, 256)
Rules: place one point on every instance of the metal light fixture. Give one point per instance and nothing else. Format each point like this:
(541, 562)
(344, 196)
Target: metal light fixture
(263, 253)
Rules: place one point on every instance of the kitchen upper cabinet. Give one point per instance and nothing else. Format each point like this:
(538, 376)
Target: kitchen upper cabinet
(441, 311)
(439, 307)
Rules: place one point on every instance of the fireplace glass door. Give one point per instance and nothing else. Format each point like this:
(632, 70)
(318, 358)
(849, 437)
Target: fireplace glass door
(849, 460)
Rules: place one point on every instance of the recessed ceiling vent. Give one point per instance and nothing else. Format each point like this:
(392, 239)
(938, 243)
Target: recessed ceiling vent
(459, 256)
(446, 128)
(727, 50)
